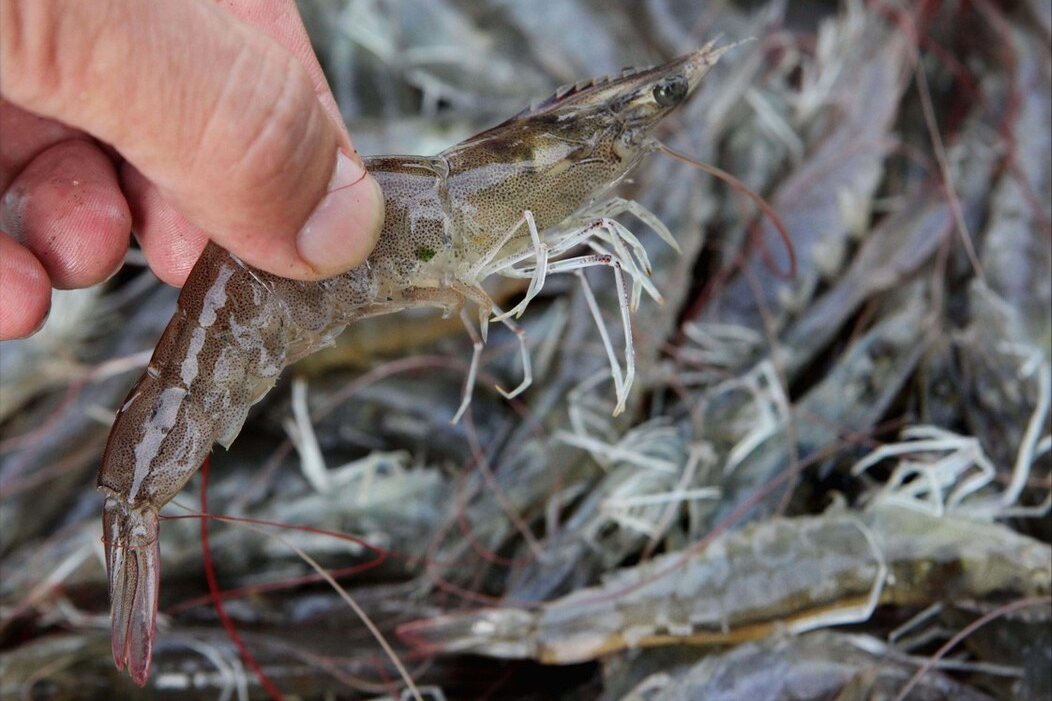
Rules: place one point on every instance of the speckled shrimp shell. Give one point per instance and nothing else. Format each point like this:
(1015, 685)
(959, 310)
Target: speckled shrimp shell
(512, 200)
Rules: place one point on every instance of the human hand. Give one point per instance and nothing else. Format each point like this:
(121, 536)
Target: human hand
(186, 121)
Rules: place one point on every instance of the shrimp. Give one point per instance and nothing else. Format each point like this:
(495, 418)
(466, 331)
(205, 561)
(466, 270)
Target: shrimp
(785, 574)
(816, 666)
(516, 200)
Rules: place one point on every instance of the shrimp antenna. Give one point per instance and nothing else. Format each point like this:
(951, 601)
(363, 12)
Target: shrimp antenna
(762, 204)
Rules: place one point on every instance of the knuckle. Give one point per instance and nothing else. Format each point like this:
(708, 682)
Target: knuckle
(29, 51)
(268, 149)
(51, 52)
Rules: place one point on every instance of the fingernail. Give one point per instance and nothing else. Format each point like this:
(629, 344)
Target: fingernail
(341, 231)
(43, 321)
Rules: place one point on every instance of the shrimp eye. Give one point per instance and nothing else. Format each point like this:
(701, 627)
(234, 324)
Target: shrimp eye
(670, 91)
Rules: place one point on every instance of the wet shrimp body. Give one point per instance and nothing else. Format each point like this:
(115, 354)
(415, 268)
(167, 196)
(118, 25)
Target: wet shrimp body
(788, 574)
(450, 220)
(233, 332)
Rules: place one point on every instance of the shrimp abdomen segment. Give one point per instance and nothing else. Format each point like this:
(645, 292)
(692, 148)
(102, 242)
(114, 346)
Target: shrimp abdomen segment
(194, 390)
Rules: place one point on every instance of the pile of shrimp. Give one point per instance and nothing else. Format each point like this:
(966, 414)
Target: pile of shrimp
(854, 431)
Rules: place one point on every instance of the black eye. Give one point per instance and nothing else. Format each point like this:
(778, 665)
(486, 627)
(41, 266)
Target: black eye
(670, 91)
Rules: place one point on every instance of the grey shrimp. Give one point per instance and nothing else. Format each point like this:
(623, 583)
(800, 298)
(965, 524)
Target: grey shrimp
(789, 574)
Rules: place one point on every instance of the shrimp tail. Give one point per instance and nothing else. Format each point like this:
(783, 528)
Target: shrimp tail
(133, 562)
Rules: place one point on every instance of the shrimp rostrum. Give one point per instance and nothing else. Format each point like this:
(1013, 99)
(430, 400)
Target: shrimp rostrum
(520, 199)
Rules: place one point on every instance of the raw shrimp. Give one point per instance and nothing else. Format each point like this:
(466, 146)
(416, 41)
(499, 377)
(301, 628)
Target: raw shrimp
(515, 200)
(785, 574)
(818, 666)
(794, 573)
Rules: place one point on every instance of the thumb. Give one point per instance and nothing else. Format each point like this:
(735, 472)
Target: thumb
(223, 120)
